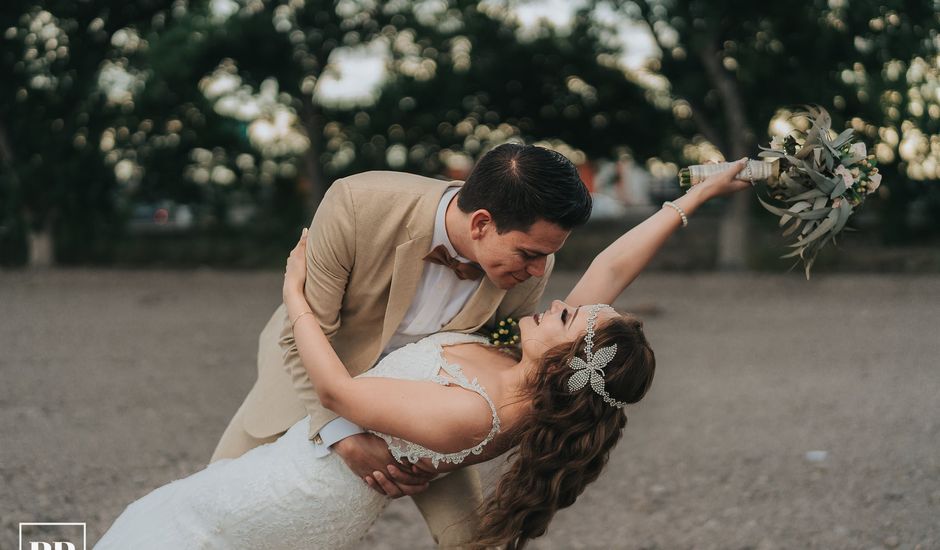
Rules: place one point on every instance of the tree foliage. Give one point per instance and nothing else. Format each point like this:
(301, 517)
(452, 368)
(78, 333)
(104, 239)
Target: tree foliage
(732, 66)
(216, 104)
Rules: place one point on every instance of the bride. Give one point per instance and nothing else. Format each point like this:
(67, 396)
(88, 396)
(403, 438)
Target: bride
(558, 399)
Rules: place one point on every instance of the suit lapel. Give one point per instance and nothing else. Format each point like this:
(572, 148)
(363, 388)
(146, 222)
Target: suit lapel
(405, 279)
(478, 308)
(409, 256)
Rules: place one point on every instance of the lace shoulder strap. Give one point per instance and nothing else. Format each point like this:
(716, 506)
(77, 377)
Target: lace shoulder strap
(413, 452)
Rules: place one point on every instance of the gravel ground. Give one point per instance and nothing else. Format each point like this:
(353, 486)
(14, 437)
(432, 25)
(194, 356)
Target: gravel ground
(115, 382)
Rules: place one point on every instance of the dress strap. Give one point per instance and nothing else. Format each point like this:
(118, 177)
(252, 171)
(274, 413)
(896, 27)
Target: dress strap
(401, 449)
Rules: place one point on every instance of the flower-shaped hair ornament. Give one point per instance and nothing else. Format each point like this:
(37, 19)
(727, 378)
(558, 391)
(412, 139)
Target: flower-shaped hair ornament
(592, 369)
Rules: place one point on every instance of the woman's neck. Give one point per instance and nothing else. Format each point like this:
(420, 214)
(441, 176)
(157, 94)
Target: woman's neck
(515, 399)
(503, 376)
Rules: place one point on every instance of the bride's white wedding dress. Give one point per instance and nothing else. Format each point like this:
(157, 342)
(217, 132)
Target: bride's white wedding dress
(280, 496)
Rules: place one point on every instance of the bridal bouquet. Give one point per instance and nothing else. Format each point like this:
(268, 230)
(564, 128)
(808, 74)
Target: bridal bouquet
(814, 181)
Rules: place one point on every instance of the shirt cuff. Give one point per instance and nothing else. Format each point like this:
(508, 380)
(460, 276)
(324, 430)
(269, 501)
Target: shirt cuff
(335, 430)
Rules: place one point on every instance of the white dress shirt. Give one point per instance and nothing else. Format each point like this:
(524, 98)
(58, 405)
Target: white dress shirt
(439, 298)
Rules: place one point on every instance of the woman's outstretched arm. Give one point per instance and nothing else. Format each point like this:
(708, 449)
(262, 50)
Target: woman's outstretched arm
(620, 263)
(399, 408)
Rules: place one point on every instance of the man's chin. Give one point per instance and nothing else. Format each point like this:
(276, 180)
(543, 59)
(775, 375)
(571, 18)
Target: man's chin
(505, 282)
(513, 281)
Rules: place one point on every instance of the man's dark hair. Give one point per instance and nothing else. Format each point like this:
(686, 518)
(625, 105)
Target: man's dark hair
(521, 184)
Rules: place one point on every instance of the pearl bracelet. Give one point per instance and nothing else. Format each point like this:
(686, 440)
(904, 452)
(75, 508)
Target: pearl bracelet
(685, 219)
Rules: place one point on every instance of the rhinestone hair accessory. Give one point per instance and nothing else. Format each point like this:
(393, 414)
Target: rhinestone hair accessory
(591, 368)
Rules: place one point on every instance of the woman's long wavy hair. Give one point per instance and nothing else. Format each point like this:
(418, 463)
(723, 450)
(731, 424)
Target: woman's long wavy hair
(566, 438)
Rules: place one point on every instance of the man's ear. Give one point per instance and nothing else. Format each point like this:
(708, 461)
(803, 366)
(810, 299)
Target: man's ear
(481, 222)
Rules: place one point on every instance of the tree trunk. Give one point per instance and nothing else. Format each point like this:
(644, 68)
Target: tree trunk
(38, 254)
(6, 152)
(311, 171)
(734, 230)
(41, 253)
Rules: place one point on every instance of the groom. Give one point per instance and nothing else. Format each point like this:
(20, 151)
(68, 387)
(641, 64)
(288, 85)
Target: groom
(392, 258)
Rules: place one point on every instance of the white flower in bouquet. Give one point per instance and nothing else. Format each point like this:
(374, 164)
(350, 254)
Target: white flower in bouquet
(858, 150)
(847, 176)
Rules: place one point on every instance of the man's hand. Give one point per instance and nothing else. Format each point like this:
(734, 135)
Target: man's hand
(368, 457)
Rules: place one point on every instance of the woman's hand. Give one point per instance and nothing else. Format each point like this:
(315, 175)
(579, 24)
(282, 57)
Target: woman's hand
(724, 183)
(295, 273)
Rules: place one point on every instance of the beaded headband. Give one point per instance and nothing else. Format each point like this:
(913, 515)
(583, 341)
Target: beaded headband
(591, 368)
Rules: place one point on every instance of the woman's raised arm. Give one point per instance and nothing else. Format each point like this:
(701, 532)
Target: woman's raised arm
(620, 263)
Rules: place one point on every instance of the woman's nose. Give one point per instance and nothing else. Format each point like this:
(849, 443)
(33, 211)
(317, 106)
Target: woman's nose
(557, 305)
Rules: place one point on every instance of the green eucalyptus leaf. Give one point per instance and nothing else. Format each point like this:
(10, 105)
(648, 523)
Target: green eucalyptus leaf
(793, 227)
(800, 206)
(843, 138)
(825, 226)
(794, 161)
(845, 210)
(796, 208)
(788, 180)
(809, 147)
(773, 209)
(838, 189)
(806, 229)
(824, 183)
(791, 185)
(809, 266)
(814, 214)
(811, 194)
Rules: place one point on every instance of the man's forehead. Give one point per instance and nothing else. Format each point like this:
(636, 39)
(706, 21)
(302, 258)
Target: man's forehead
(542, 237)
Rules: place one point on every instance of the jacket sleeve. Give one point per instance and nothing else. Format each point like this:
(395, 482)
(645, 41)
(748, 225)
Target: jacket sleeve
(330, 254)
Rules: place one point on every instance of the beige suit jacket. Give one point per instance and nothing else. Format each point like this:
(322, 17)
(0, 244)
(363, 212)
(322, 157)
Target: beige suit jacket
(364, 262)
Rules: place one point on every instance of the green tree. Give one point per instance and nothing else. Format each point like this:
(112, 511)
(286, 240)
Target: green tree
(730, 66)
(52, 110)
(468, 79)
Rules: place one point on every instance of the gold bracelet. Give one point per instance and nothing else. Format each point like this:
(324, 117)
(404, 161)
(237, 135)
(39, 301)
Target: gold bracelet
(298, 318)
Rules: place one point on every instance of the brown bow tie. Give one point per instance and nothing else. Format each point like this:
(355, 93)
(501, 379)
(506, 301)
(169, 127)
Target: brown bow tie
(464, 270)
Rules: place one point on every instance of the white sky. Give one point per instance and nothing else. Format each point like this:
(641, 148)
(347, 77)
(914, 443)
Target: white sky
(360, 72)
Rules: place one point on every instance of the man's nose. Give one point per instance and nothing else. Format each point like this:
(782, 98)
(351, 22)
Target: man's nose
(536, 268)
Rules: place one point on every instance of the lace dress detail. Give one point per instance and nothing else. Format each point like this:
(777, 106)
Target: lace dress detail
(433, 346)
(281, 496)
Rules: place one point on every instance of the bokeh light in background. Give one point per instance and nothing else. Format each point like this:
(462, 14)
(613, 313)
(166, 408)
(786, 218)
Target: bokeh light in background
(244, 111)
